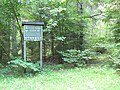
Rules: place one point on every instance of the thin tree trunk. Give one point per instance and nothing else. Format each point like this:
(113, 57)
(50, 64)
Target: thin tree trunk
(44, 46)
(52, 43)
(80, 8)
(14, 41)
(20, 30)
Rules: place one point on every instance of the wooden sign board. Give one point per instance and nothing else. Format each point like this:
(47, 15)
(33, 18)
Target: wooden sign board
(33, 32)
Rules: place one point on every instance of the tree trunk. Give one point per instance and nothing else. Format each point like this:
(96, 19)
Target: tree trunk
(52, 43)
(14, 41)
(20, 30)
(81, 36)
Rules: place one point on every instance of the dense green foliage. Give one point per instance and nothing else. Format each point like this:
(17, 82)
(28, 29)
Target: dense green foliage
(76, 57)
(19, 67)
(17, 63)
(71, 28)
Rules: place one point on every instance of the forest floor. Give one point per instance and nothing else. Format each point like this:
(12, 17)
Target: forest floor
(57, 78)
(99, 75)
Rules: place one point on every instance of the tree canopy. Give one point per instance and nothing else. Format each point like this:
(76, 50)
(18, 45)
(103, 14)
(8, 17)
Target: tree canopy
(69, 25)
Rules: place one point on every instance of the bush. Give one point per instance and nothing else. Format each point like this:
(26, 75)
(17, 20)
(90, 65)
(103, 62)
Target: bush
(18, 63)
(5, 70)
(115, 56)
(101, 48)
(18, 67)
(76, 57)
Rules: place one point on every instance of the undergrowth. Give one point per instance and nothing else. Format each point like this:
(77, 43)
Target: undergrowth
(58, 78)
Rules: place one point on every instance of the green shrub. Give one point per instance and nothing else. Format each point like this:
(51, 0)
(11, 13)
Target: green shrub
(1, 65)
(26, 65)
(5, 70)
(18, 66)
(76, 57)
(115, 54)
(100, 48)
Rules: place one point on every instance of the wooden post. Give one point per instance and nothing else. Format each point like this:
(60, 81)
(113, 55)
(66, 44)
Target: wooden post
(25, 51)
(40, 54)
(41, 48)
(24, 46)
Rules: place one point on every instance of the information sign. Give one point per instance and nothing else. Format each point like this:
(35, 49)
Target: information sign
(33, 32)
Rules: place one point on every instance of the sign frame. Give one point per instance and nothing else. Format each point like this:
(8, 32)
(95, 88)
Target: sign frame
(33, 24)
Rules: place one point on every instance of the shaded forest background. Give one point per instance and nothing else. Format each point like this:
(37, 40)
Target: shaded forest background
(70, 26)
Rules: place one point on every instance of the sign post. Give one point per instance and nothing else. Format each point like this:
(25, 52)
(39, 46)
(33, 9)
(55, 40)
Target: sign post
(33, 31)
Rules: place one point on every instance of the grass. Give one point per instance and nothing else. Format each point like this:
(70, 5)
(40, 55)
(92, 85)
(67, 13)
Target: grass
(94, 78)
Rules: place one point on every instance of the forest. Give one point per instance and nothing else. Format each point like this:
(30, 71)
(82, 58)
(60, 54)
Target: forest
(78, 36)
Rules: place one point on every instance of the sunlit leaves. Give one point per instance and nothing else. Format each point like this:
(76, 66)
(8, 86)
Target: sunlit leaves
(60, 38)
